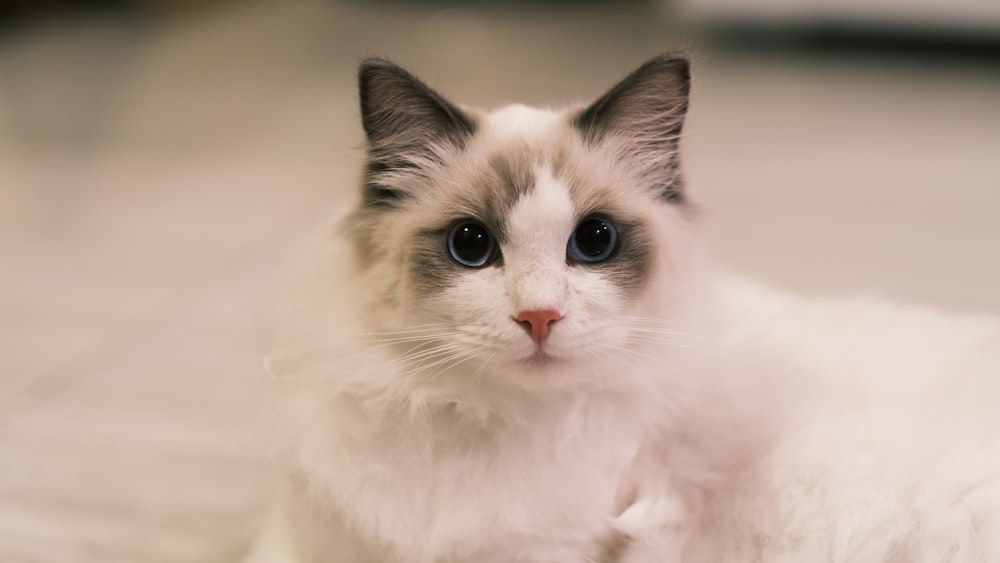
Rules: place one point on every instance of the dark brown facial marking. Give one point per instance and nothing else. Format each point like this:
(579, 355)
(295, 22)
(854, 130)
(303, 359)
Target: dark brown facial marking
(430, 267)
(377, 194)
(630, 265)
(509, 177)
(359, 228)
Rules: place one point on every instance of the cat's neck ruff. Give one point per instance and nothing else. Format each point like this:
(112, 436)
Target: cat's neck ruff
(448, 480)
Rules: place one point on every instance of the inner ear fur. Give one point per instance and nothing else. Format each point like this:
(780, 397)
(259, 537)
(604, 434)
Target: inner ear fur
(397, 109)
(650, 102)
(403, 119)
(646, 111)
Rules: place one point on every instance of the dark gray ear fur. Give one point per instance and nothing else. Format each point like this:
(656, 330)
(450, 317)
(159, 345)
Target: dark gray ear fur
(402, 117)
(647, 108)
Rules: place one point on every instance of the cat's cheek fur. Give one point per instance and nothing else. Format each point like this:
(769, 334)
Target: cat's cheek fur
(482, 316)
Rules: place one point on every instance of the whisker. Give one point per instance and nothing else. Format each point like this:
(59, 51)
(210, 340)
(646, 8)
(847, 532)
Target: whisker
(651, 320)
(623, 358)
(408, 330)
(671, 343)
(653, 359)
(662, 331)
(665, 338)
(478, 374)
(433, 315)
(696, 346)
(433, 357)
(412, 338)
(459, 359)
(415, 357)
(461, 356)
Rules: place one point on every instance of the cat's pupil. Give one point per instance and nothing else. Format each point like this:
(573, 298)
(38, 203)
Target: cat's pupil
(593, 240)
(470, 244)
(592, 237)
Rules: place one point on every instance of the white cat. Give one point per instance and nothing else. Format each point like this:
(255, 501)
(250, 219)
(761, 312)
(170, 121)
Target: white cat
(513, 351)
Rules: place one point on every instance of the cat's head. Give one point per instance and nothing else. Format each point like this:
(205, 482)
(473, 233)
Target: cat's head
(523, 241)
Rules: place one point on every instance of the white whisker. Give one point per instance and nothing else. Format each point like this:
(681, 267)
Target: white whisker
(636, 339)
(458, 360)
(416, 357)
(409, 330)
(413, 338)
(441, 356)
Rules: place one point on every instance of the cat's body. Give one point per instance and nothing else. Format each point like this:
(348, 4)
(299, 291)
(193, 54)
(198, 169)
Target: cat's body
(512, 351)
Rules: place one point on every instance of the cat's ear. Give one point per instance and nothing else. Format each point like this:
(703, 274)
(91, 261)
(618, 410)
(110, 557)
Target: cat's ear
(398, 110)
(645, 111)
(404, 121)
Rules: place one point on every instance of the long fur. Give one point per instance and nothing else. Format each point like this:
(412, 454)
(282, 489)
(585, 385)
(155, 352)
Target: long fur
(676, 414)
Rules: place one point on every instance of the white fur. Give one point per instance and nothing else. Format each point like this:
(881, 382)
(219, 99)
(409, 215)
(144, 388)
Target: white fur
(746, 426)
(521, 123)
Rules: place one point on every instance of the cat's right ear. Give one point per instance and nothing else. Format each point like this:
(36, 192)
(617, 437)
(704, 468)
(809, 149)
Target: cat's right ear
(400, 113)
(405, 121)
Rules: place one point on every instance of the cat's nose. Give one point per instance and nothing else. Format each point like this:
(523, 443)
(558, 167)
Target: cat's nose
(537, 323)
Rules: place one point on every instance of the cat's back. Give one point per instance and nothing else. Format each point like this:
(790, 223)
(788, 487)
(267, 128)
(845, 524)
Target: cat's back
(891, 447)
(873, 346)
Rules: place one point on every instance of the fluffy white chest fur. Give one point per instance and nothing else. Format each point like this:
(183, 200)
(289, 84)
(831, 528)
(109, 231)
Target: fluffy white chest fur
(511, 350)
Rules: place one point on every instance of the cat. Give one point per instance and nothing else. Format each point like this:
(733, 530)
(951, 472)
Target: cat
(513, 349)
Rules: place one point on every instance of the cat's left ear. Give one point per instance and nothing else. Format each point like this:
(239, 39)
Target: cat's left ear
(645, 113)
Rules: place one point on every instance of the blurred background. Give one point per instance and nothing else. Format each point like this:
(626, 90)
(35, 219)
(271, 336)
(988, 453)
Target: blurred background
(161, 159)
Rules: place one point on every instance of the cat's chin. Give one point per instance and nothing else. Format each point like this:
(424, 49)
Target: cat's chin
(544, 368)
(541, 361)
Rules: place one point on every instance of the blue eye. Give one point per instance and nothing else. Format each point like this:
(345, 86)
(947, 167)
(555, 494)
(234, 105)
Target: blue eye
(594, 240)
(470, 244)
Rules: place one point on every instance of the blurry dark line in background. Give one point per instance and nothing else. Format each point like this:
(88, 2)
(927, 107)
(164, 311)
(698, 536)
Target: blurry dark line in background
(738, 35)
(855, 39)
(520, 6)
(16, 14)
(63, 67)
(29, 17)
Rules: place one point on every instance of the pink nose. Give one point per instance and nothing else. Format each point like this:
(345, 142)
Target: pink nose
(537, 323)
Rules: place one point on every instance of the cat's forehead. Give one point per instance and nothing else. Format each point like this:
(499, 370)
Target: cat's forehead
(522, 124)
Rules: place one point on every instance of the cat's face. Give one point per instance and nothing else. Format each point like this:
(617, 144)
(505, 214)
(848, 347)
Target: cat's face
(522, 239)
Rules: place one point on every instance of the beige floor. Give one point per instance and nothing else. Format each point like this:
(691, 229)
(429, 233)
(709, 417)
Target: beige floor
(154, 176)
